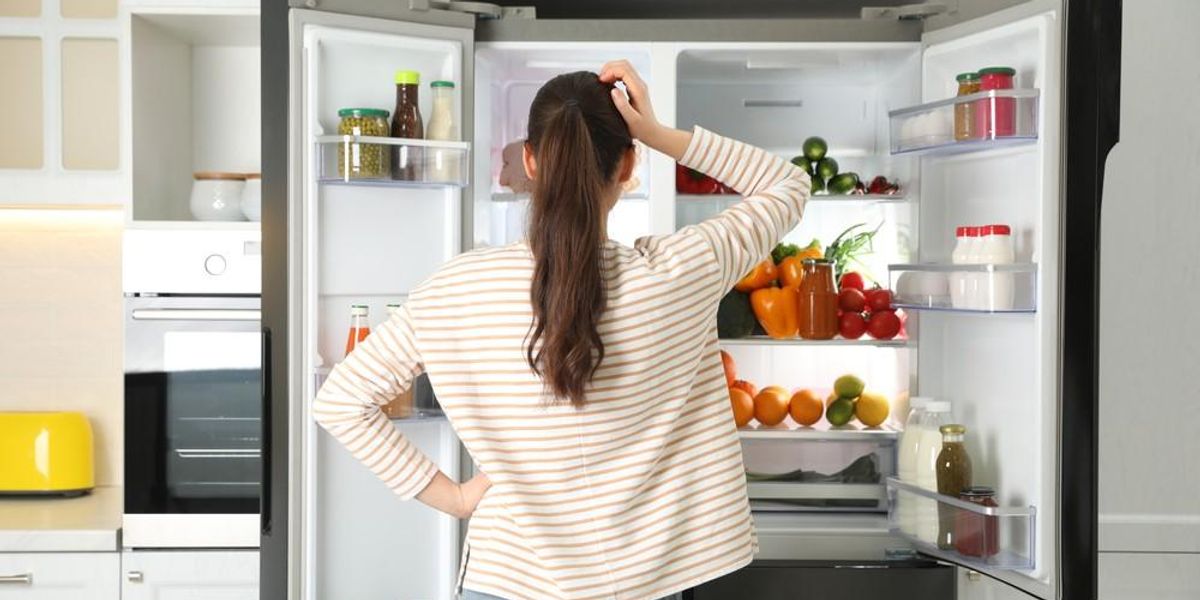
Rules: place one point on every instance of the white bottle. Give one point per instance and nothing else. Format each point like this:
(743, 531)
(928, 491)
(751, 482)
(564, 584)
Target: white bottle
(929, 444)
(443, 164)
(970, 287)
(906, 461)
(957, 280)
(996, 248)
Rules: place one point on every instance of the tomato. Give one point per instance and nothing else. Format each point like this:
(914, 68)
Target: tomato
(852, 325)
(851, 300)
(879, 300)
(883, 325)
(851, 279)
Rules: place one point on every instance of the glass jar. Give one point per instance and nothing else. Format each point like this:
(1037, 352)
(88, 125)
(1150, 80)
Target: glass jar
(953, 476)
(995, 117)
(407, 123)
(818, 300)
(964, 112)
(443, 164)
(975, 534)
(362, 161)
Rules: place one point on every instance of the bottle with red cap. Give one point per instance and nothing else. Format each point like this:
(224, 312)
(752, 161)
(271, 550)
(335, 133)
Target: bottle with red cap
(996, 248)
(957, 280)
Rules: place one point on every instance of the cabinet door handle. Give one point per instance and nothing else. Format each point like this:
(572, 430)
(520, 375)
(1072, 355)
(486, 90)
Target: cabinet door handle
(20, 578)
(134, 576)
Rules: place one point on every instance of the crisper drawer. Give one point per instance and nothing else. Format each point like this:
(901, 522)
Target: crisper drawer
(818, 468)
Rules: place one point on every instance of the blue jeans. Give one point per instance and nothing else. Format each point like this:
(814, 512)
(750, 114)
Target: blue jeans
(473, 595)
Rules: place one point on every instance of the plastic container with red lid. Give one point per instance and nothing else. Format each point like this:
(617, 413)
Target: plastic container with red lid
(995, 117)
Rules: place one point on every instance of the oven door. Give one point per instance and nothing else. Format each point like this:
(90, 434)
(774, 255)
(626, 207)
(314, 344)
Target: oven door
(193, 428)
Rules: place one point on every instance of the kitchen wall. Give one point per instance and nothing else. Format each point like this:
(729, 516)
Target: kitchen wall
(60, 319)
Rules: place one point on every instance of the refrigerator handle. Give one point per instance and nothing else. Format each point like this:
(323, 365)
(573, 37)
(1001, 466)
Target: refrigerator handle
(264, 493)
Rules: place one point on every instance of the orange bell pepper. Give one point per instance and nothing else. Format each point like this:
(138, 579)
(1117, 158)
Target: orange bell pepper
(778, 311)
(791, 272)
(812, 250)
(763, 274)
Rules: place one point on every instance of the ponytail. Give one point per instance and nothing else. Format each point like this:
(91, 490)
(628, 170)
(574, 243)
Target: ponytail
(577, 138)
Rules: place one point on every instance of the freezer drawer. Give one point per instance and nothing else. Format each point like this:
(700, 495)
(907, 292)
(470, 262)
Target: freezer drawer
(804, 580)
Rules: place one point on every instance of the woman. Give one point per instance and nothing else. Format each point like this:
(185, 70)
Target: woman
(582, 375)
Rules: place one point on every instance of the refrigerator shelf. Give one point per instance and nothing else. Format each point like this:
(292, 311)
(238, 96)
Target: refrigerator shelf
(972, 288)
(993, 119)
(726, 199)
(790, 430)
(985, 538)
(524, 196)
(762, 340)
(366, 160)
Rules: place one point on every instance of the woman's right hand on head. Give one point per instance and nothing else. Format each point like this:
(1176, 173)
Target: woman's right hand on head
(634, 105)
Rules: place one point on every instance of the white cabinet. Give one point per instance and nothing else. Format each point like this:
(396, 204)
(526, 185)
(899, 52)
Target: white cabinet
(60, 576)
(172, 575)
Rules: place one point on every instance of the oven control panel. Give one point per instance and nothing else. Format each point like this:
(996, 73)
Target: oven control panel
(175, 261)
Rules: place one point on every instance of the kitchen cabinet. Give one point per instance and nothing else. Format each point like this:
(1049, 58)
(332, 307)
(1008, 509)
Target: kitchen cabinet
(207, 575)
(60, 576)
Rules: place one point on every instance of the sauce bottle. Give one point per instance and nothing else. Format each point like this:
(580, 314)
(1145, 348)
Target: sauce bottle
(406, 123)
(818, 300)
(359, 329)
(443, 164)
(953, 476)
(964, 112)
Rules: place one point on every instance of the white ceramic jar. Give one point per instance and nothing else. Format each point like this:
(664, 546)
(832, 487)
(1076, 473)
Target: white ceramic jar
(217, 196)
(252, 197)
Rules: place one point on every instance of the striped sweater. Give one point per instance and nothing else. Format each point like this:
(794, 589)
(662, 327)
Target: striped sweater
(640, 493)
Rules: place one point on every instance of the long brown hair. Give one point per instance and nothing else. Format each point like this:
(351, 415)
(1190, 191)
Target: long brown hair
(578, 138)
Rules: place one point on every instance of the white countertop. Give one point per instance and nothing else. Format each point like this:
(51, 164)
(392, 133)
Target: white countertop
(85, 524)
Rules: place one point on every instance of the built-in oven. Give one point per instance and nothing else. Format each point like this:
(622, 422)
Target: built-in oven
(193, 416)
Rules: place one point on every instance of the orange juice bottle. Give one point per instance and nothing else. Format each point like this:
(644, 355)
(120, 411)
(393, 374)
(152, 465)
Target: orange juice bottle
(359, 329)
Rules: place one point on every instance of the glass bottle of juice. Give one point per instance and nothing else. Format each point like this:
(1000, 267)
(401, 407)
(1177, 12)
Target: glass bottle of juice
(359, 328)
(953, 476)
(406, 123)
(818, 300)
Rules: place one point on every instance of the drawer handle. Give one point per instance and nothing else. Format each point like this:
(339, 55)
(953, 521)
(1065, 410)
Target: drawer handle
(134, 576)
(23, 578)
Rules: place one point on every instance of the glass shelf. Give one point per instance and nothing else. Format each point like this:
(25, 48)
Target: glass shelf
(523, 196)
(978, 288)
(983, 537)
(367, 160)
(790, 430)
(762, 340)
(320, 374)
(993, 119)
(726, 199)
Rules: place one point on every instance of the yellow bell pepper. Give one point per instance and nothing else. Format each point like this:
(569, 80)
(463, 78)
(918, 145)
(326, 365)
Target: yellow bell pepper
(777, 310)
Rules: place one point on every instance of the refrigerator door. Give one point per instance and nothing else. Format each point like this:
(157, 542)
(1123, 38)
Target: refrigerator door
(333, 237)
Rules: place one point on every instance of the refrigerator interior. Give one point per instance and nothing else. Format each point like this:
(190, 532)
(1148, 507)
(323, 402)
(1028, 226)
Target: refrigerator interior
(507, 77)
(371, 243)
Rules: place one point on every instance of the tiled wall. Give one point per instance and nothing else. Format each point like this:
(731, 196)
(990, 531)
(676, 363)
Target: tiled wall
(61, 320)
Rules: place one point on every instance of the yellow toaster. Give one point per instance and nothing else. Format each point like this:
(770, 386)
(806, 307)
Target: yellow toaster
(46, 453)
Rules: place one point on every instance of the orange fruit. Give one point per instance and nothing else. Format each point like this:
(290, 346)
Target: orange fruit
(771, 405)
(730, 368)
(806, 407)
(743, 406)
(750, 388)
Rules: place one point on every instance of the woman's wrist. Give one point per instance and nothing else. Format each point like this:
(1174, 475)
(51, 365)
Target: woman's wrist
(668, 140)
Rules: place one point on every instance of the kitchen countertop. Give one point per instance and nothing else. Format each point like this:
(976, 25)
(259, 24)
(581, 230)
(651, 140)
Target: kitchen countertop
(85, 524)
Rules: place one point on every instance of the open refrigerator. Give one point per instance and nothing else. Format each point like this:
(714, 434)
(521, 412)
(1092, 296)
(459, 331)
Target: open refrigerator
(330, 529)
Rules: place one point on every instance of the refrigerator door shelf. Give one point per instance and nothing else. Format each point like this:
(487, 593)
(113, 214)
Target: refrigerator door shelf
(984, 538)
(722, 201)
(979, 121)
(970, 288)
(367, 160)
(502, 197)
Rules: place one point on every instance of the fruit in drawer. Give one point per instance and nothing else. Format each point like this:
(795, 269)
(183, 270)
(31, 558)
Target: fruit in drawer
(771, 405)
(730, 368)
(746, 386)
(743, 406)
(840, 412)
(871, 408)
(806, 407)
(848, 386)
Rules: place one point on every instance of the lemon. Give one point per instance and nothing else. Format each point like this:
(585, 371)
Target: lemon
(848, 386)
(871, 408)
(840, 412)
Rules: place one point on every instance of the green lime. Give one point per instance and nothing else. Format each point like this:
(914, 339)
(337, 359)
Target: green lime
(827, 168)
(803, 163)
(840, 412)
(818, 185)
(815, 148)
(843, 183)
(848, 386)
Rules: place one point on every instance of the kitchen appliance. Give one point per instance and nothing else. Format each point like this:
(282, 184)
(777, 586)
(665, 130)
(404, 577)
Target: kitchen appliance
(46, 453)
(193, 388)
(1023, 380)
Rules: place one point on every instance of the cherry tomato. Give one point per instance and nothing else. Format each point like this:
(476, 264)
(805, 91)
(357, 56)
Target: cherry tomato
(852, 325)
(851, 300)
(851, 279)
(879, 300)
(883, 325)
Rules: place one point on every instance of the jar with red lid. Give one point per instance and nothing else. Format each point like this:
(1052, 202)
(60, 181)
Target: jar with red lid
(995, 117)
(977, 534)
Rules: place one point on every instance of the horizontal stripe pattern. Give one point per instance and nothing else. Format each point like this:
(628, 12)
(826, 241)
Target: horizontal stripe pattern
(639, 494)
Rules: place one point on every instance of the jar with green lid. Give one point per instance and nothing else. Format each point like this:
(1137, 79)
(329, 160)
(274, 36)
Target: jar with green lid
(363, 161)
